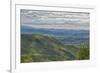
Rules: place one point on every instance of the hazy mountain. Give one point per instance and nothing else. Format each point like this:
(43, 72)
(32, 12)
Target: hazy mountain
(64, 36)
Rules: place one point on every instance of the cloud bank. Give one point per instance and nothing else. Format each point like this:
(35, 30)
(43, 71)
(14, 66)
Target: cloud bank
(55, 19)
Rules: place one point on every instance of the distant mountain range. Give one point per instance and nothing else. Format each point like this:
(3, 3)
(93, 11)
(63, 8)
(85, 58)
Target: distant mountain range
(65, 36)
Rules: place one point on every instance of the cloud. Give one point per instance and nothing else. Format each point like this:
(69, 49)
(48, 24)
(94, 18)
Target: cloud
(58, 19)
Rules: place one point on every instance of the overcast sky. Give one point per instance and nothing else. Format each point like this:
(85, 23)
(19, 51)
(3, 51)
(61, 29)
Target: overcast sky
(54, 19)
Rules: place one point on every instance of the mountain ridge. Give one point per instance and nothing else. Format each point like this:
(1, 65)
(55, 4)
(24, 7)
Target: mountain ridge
(43, 48)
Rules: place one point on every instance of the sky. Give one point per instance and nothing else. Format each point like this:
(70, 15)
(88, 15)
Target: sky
(54, 19)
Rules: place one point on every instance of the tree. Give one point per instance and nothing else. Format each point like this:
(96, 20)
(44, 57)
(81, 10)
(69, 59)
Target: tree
(83, 53)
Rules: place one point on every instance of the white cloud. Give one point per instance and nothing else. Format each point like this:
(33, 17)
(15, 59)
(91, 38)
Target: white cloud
(51, 19)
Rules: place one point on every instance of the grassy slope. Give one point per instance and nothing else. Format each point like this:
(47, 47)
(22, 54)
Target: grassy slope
(41, 48)
(38, 47)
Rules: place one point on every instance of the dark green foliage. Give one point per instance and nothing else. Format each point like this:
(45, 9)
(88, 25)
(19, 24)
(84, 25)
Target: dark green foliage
(83, 53)
(26, 58)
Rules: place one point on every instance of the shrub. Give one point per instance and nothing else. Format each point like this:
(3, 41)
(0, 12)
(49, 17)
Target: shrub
(83, 52)
(26, 58)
